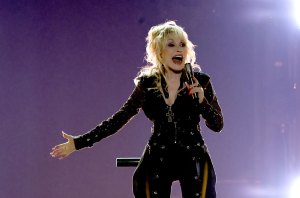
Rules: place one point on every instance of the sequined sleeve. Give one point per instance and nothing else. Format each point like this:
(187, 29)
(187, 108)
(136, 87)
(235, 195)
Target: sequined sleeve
(210, 108)
(113, 124)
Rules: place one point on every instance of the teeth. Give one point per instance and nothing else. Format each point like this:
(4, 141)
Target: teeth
(178, 57)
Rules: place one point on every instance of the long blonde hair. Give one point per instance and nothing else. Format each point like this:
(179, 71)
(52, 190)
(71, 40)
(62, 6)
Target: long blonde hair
(155, 44)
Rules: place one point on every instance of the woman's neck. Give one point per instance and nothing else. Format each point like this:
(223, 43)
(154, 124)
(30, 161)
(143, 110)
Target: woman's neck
(172, 76)
(173, 84)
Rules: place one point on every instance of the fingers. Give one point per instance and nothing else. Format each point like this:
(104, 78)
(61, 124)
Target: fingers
(194, 88)
(195, 83)
(59, 155)
(57, 150)
(60, 151)
(195, 80)
(63, 150)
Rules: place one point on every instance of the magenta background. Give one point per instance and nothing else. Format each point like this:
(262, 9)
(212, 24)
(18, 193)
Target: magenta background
(67, 65)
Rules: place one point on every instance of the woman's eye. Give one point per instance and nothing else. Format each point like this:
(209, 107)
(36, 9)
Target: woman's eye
(173, 45)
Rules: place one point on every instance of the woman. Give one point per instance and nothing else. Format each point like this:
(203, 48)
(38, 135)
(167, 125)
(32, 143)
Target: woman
(176, 149)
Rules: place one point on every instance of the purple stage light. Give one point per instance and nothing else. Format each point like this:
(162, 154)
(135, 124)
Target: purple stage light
(294, 191)
(296, 11)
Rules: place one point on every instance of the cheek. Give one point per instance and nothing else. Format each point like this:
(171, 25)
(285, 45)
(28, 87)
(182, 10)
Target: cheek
(185, 54)
(185, 51)
(166, 53)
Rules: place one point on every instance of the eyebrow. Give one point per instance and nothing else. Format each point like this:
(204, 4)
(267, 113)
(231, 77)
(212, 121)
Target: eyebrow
(172, 40)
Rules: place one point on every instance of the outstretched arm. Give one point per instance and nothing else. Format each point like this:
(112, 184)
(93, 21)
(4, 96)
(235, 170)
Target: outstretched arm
(106, 128)
(112, 124)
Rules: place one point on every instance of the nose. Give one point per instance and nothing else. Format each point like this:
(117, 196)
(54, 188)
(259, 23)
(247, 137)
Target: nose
(179, 49)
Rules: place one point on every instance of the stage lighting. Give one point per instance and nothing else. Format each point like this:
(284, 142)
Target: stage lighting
(295, 189)
(296, 11)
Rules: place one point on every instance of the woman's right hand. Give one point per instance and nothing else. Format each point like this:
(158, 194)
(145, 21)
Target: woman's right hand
(64, 150)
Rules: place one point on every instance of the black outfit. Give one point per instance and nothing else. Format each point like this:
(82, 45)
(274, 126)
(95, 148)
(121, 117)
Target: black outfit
(176, 149)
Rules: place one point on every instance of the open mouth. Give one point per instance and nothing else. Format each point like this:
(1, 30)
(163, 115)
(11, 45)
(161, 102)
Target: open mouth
(177, 59)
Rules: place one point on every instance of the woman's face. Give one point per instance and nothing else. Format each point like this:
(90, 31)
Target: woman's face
(174, 53)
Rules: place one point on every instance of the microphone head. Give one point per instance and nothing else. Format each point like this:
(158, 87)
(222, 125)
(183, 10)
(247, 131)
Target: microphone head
(189, 72)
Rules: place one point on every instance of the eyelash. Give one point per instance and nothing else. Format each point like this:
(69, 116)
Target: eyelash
(172, 45)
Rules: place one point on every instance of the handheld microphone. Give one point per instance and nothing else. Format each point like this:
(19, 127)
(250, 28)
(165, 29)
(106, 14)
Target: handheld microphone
(189, 75)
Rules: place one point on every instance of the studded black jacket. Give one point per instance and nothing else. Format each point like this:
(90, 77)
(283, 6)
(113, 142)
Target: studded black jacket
(176, 124)
(176, 132)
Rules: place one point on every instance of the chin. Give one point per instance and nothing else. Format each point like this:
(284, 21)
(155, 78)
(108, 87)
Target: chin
(176, 70)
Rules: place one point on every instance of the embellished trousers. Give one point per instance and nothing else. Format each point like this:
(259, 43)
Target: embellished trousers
(155, 173)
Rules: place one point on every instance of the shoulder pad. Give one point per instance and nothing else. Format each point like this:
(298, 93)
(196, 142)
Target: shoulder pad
(144, 81)
(202, 77)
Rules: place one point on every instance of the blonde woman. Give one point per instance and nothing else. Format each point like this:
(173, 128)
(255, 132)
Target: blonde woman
(176, 149)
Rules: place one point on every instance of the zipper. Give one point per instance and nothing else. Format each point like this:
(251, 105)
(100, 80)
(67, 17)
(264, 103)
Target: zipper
(170, 116)
(175, 133)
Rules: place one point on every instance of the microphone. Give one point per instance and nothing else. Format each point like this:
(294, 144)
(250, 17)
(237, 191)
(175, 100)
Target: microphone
(189, 75)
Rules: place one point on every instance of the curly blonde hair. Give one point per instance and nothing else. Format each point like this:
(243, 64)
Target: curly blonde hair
(155, 39)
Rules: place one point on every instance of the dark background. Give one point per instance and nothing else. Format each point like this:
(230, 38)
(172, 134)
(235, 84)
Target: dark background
(68, 65)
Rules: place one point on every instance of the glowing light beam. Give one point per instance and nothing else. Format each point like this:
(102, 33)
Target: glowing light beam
(295, 189)
(296, 11)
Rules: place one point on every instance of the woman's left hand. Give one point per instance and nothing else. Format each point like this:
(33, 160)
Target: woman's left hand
(196, 88)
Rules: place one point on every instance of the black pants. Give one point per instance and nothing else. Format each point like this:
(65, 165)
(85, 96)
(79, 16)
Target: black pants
(154, 176)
